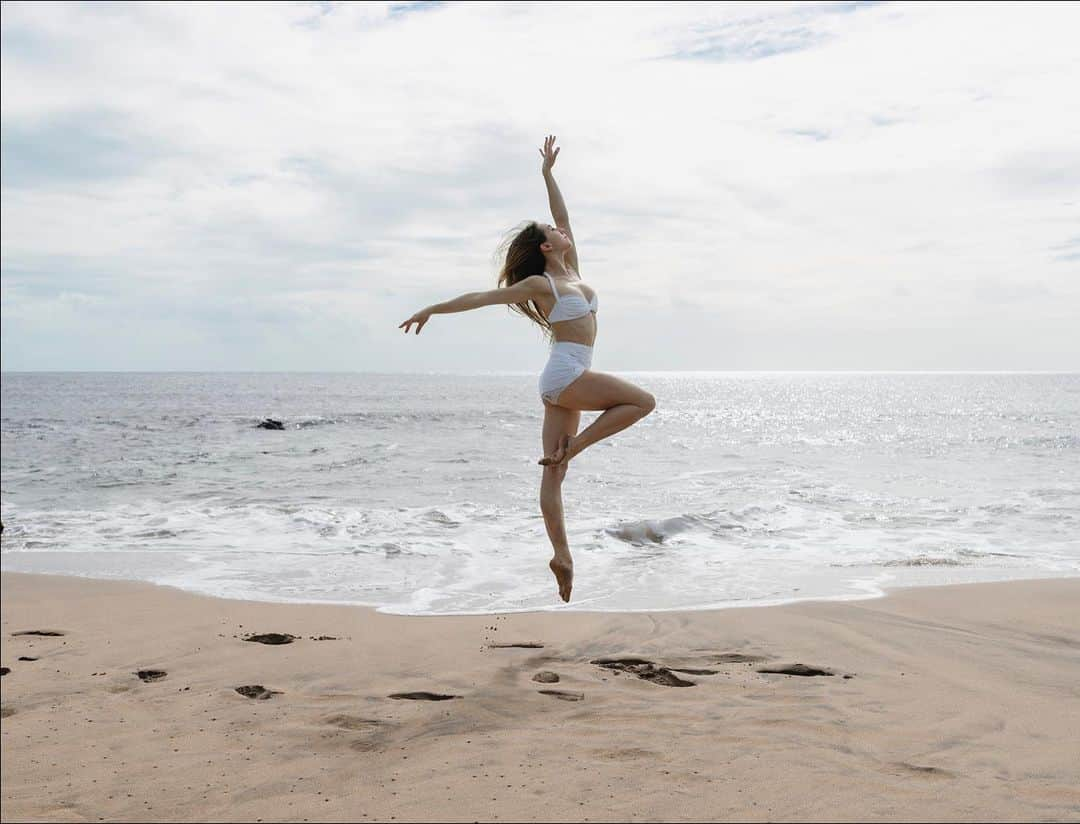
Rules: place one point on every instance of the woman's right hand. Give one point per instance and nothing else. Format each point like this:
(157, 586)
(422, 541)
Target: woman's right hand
(420, 318)
(549, 153)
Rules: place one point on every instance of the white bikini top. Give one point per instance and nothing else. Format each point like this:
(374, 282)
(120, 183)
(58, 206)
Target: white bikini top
(569, 307)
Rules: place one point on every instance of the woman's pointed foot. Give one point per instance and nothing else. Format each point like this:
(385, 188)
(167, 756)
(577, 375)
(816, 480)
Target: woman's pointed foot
(564, 574)
(559, 455)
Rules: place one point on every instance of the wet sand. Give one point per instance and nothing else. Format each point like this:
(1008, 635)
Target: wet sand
(943, 703)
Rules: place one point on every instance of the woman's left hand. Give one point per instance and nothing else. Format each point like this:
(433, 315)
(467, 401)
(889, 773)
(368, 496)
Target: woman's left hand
(547, 153)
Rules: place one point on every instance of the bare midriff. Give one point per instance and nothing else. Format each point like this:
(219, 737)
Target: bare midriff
(579, 330)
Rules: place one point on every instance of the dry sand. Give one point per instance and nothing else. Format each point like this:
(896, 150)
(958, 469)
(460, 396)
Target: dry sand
(962, 705)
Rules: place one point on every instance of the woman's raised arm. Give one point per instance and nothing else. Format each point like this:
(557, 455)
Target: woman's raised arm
(521, 292)
(559, 214)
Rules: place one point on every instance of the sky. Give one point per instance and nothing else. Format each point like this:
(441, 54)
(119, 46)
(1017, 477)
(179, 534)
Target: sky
(752, 186)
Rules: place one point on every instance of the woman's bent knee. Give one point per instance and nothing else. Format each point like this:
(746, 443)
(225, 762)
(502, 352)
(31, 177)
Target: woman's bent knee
(648, 403)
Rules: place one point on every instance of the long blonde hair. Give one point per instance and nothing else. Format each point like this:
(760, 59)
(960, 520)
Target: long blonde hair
(521, 257)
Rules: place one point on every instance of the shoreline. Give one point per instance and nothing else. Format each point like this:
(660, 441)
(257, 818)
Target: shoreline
(943, 703)
(556, 608)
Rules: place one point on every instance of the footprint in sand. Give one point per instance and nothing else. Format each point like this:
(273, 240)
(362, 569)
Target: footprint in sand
(146, 676)
(546, 677)
(796, 669)
(257, 691)
(518, 645)
(645, 670)
(928, 772)
(422, 696)
(694, 671)
(272, 638)
(374, 732)
(48, 633)
(353, 722)
(564, 695)
(740, 658)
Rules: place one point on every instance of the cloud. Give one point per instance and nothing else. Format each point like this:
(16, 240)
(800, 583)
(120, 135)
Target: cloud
(73, 148)
(212, 176)
(1068, 251)
(816, 135)
(400, 9)
(763, 32)
(994, 290)
(1046, 172)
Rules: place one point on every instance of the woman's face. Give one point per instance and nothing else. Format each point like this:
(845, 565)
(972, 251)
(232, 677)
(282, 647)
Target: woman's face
(557, 239)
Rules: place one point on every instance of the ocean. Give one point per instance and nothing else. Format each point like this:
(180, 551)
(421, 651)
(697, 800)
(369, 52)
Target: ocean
(419, 493)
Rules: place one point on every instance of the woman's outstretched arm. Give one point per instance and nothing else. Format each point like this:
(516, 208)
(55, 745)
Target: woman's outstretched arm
(559, 215)
(521, 292)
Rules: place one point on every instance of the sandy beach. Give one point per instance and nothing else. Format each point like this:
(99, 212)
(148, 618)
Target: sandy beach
(944, 703)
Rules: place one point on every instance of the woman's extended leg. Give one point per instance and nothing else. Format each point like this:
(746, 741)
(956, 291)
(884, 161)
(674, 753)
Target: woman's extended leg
(623, 404)
(559, 424)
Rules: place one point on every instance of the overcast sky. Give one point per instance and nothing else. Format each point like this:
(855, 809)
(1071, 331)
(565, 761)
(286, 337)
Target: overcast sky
(752, 186)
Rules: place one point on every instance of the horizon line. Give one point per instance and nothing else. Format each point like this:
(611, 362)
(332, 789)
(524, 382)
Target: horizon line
(530, 372)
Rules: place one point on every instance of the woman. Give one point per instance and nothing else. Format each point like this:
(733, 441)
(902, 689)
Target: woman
(541, 269)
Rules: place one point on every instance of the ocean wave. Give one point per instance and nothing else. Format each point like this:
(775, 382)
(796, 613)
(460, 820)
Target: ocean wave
(1064, 442)
(315, 422)
(1004, 509)
(437, 516)
(155, 533)
(356, 460)
(115, 483)
(748, 522)
(960, 557)
(644, 532)
(386, 486)
(923, 560)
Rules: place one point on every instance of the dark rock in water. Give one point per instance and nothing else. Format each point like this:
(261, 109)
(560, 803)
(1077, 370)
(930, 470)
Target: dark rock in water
(272, 638)
(257, 691)
(270, 423)
(546, 677)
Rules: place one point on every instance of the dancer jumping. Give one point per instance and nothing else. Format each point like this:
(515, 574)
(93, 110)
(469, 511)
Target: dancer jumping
(541, 269)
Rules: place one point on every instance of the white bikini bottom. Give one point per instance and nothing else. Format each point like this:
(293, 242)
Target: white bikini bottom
(565, 365)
